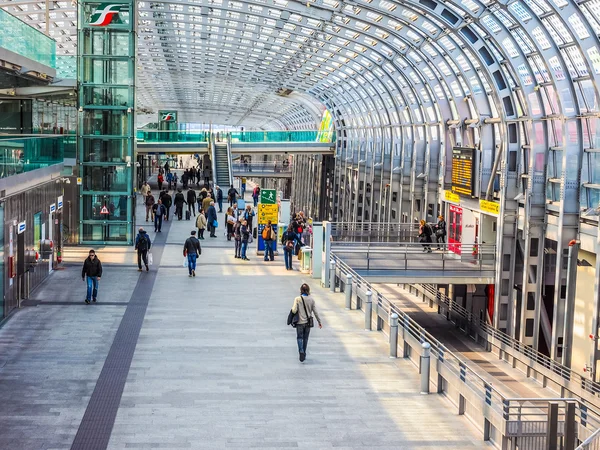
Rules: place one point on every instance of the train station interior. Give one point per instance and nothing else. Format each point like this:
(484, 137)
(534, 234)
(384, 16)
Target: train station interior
(420, 173)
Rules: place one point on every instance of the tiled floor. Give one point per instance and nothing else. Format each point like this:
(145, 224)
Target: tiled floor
(215, 365)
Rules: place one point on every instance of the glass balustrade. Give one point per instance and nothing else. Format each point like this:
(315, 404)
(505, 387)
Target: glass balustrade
(20, 38)
(24, 154)
(151, 136)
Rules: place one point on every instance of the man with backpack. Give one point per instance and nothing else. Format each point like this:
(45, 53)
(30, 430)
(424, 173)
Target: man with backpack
(159, 211)
(142, 245)
(191, 250)
(269, 237)
(288, 241)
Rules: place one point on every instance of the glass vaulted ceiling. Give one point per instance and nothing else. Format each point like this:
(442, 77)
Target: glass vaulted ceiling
(374, 63)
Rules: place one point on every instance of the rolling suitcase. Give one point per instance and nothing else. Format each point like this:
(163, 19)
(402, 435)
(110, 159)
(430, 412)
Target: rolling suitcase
(188, 215)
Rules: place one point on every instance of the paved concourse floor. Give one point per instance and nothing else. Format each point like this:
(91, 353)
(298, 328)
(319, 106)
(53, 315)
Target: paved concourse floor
(168, 361)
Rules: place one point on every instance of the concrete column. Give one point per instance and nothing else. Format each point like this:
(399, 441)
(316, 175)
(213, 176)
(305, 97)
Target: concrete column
(425, 367)
(394, 335)
(348, 291)
(369, 310)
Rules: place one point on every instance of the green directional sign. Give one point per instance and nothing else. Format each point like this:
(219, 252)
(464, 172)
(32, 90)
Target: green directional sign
(268, 196)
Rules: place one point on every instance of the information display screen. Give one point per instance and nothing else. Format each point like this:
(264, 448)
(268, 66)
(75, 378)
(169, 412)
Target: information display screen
(462, 171)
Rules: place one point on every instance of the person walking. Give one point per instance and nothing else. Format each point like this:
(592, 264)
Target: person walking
(170, 180)
(288, 241)
(269, 237)
(149, 204)
(305, 306)
(167, 201)
(144, 190)
(206, 202)
(219, 198)
(191, 202)
(245, 232)
(232, 194)
(211, 219)
(160, 179)
(237, 236)
(192, 249)
(92, 268)
(159, 212)
(179, 201)
(142, 245)
(256, 195)
(230, 222)
(425, 233)
(201, 224)
(440, 232)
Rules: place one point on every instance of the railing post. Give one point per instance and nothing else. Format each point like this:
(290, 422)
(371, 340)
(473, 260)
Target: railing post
(332, 275)
(552, 427)
(570, 432)
(394, 335)
(348, 291)
(425, 367)
(369, 310)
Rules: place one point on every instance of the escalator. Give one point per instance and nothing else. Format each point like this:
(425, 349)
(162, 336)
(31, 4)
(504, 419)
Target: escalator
(222, 164)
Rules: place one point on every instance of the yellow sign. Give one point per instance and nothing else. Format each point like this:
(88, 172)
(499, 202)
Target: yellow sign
(79, 180)
(451, 197)
(267, 212)
(489, 207)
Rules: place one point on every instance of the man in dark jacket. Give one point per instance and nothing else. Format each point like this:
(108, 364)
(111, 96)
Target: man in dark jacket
(142, 245)
(159, 211)
(232, 195)
(211, 218)
(219, 198)
(167, 201)
(92, 267)
(191, 202)
(191, 249)
(179, 201)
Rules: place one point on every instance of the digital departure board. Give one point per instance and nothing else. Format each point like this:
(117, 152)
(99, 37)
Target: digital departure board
(462, 171)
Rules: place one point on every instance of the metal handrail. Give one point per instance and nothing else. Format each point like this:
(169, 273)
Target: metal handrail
(456, 364)
(482, 386)
(527, 351)
(271, 166)
(403, 254)
(592, 442)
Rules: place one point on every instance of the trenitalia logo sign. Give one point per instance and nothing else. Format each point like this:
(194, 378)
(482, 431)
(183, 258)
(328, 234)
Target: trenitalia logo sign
(105, 14)
(168, 117)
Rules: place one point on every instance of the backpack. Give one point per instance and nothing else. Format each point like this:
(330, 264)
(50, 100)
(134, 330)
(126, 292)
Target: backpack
(427, 231)
(266, 233)
(142, 244)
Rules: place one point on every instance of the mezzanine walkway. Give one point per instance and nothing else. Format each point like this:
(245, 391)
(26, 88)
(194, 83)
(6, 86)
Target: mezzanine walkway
(167, 361)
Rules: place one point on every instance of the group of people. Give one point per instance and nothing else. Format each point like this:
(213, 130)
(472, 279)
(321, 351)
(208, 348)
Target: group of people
(427, 231)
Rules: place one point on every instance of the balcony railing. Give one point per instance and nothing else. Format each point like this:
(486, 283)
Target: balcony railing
(23, 154)
(270, 167)
(23, 39)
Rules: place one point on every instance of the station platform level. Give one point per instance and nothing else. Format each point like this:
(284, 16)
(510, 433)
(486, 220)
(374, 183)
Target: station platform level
(168, 361)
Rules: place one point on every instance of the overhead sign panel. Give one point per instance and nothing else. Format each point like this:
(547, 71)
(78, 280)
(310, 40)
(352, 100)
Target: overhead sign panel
(462, 170)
